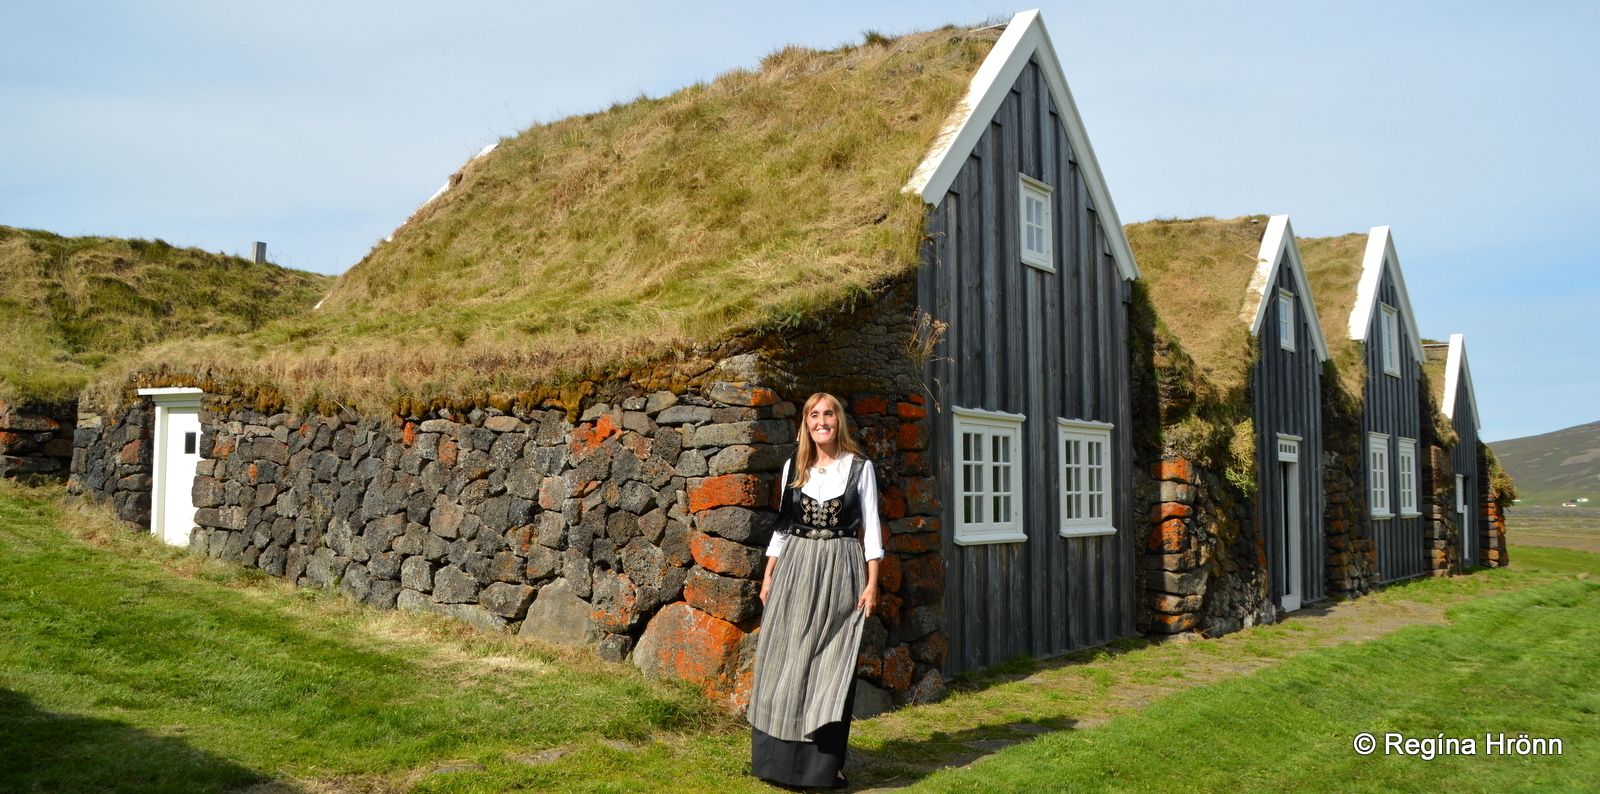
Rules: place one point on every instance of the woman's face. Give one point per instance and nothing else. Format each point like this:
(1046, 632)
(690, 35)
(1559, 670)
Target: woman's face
(823, 424)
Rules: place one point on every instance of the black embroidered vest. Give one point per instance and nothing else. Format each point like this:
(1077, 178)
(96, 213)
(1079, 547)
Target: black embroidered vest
(837, 517)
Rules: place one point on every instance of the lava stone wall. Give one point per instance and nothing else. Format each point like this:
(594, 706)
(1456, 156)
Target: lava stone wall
(36, 440)
(640, 527)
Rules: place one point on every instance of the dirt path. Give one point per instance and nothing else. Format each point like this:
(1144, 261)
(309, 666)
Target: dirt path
(1082, 691)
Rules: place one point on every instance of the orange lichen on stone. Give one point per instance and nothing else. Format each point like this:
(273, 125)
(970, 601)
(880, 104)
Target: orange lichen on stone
(1171, 536)
(737, 490)
(1176, 469)
(894, 503)
(909, 411)
(912, 435)
(889, 572)
(408, 435)
(869, 405)
(1164, 511)
(586, 437)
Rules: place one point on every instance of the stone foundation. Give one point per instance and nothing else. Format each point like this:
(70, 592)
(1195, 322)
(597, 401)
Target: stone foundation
(640, 528)
(1352, 556)
(1493, 546)
(35, 441)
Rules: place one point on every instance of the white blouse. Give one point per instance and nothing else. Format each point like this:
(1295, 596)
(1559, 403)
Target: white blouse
(830, 483)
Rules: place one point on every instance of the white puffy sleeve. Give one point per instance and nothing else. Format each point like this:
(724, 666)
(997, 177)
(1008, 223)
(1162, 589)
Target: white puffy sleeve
(871, 527)
(775, 546)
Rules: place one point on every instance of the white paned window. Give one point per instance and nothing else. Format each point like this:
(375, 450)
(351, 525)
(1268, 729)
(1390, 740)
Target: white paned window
(1378, 475)
(1286, 319)
(1036, 224)
(989, 504)
(1461, 494)
(1406, 467)
(1391, 340)
(1289, 448)
(1087, 481)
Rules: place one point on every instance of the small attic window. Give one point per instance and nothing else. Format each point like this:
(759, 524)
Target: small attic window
(1391, 340)
(1036, 231)
(1286, 320)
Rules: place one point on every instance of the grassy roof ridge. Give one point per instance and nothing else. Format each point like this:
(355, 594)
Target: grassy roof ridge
(655, 225)
(71, 306)
(1333, 266)
(1198, 272)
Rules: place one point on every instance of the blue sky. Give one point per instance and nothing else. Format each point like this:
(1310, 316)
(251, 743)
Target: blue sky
(318, 127)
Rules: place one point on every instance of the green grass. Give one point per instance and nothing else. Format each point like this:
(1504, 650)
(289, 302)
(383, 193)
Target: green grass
(126, 665)
(1517, 662)
(71, 305)
(116, 674)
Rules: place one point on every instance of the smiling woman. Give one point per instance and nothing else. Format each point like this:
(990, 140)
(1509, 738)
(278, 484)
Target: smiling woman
(818, 596)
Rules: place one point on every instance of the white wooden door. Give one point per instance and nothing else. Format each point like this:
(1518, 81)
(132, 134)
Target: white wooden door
(180, 452)
(1294, 564)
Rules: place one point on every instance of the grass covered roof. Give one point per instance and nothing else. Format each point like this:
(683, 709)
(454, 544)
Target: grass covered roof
(70, 305)
(1198, 272)
(622, 235)
(1333, 266)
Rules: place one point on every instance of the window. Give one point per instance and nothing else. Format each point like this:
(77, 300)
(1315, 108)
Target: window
(1086, 477)
(1391, 340)
(1289, 448)
(1036, 224)
(1406, 463)
(1461, 494)
(1378, 475)
(188, 443)
(1286, 319)
(989, 444)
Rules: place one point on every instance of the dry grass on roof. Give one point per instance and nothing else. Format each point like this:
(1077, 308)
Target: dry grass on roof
(1434, 358)
(652, 226)
(1333, 266)
(70, 305)
(1198, 271)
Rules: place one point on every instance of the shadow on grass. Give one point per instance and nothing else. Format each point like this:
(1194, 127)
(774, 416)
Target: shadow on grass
(47, 751)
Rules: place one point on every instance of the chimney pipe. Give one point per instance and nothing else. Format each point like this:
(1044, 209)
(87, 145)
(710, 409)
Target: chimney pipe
(260, 253)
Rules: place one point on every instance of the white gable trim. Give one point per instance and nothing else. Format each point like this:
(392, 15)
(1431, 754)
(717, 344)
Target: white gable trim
(1278, 245)
(1380, 250)
(1457, 375)
(1024, 38)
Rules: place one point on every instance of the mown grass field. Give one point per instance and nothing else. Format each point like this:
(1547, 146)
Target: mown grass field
(127, 666)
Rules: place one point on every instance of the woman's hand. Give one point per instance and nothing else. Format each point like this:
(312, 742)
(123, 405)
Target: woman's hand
(766, 579)
(869, 598)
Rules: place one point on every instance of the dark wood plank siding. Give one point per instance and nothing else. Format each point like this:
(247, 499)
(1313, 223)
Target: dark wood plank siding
(1393, 407)
(1464, 458)
(1041, 344)
(1286, 387)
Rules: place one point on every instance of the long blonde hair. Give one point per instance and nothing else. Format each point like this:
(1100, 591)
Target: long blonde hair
(807, 454)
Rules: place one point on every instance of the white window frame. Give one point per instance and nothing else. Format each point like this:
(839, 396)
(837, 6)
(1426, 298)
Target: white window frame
(1391, 340)
(1031, 188)
(987, 426)
(1082, 475)
(1405, 465)
(1461, 494)
(1289, 448)
(1378, 469)
(1286, 320)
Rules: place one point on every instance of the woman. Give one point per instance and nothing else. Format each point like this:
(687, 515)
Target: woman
(820, 585)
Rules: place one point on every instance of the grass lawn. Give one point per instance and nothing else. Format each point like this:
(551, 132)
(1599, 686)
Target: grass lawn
(135, 668)
(129, 666)
(1518, 662)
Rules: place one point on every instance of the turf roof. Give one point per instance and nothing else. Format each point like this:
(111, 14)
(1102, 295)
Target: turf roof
(1435, 357)
(628, 234)
(1198, 272)
(1333, 266)
(70, 305)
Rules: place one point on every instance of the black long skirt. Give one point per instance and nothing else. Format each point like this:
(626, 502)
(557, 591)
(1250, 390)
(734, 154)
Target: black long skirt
(803, 764)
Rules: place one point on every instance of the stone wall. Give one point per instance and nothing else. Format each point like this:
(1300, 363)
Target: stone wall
(1440, 529)
(639, 528)
(35, 441)
(1493, 547)
(1352, 555)
(111, 460)
(1204, 562)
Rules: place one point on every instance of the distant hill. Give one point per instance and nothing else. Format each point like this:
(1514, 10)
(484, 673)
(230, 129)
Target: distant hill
(70, 305)
(1554, 467)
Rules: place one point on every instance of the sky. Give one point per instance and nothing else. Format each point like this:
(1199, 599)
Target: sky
(1468, 128)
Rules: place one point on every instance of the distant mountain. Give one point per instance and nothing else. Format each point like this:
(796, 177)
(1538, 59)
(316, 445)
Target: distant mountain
(1554, 467)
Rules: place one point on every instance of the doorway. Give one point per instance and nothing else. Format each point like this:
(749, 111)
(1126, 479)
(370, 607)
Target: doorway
(1293, 532)
(177, 453)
